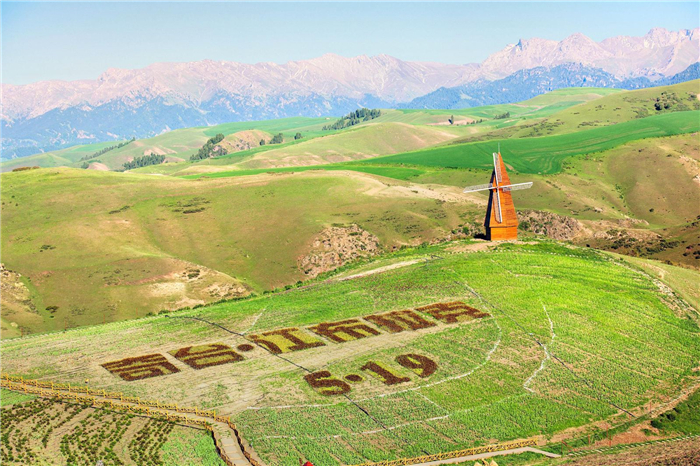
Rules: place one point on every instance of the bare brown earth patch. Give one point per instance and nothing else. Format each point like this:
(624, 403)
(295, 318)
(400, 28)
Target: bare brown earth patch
(98, 166)
(242, 140)
(547, 223)
(335, 246)
(680, 453)
(16, 302)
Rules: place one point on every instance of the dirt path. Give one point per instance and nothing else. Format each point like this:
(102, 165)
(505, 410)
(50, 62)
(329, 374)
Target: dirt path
(381, 269)
(225, 435)
(490, 454)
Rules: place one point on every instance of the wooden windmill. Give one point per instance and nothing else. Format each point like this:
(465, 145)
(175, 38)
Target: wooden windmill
(501, 221)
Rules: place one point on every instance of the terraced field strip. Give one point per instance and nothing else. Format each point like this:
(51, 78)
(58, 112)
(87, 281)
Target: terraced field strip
(227, 438)
(615, 448)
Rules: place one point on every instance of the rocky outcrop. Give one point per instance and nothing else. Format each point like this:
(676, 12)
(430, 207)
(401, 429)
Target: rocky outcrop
(552, 225)
(336, 246)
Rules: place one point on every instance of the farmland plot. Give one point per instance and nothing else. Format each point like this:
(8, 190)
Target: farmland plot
(469, 349)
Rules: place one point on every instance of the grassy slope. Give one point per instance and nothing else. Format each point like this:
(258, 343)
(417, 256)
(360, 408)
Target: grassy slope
(626, 106)
(101, 266)
(361, 142)
(558, 117)
(545, 154)
(63, 157)
(178, 143)
(182, 143)
(479, 393)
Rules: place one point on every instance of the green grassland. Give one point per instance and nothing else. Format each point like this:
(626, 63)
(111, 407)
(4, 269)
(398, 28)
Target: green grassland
(360, 142)
(180, 144)
(545, 155)
(60, 158)
(573, 337)
(561, 116)
(9, 398)
(105, 246)
(625, 106)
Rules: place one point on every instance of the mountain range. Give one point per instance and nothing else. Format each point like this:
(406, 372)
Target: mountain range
(122, 103)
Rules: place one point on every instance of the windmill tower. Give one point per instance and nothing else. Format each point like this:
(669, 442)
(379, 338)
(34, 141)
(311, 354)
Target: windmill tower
(501, 221)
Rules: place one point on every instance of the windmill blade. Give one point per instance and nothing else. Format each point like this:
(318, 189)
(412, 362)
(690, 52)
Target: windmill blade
(517, 186)
(497, 168)
(478, 187)
(499, 218)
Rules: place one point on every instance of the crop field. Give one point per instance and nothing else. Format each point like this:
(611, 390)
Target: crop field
(44, 431)
(544, 155)
(425, 351)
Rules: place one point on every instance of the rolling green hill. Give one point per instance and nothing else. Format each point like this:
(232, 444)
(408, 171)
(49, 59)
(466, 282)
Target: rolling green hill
(545, 154)
(79, 240)
(365, 141)
(61, 158)
(530, 347)
(180, 144)
(158, 242)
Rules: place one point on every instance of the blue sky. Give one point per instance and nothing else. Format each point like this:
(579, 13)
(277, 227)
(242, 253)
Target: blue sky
(80, 40)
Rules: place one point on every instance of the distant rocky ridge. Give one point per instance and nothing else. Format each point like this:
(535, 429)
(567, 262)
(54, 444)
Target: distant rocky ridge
(164, 96)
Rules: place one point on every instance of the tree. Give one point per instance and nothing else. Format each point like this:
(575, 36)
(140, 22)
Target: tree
(151, 159)
(277, 138)
(207, 149)
(262, 142)
(353, 118)
(452, 120)
(298, 136)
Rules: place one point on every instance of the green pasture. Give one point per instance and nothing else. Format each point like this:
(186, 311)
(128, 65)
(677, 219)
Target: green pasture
(63, 157)
(83, 250)
(545, 155)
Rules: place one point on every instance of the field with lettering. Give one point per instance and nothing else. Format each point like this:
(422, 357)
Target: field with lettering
(422, 351)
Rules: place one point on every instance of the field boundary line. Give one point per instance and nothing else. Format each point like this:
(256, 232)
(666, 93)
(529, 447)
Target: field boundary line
(627, 446)
(493, 448)
(227, 438)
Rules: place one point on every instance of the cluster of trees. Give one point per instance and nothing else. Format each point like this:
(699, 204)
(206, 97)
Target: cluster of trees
(144, 161)
(207, 149)
(353, 118)
(278, 139)
(502, 116)
(107, 149)
(298, 136)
